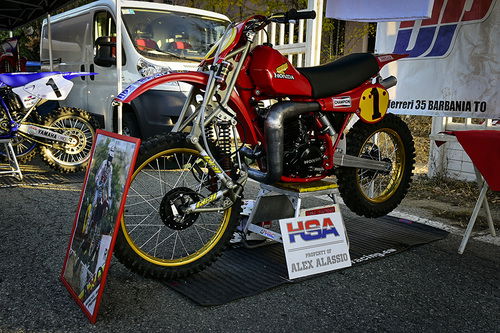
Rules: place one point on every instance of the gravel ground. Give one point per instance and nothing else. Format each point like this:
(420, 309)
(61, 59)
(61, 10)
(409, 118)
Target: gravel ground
(427, 288)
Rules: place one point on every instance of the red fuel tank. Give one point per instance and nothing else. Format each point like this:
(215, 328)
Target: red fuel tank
(274, 75)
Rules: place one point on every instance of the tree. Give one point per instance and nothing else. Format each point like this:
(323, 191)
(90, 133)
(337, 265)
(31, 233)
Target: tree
(29, 42)
(239, 9)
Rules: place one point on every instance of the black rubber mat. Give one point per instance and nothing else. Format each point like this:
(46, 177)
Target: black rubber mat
(34, 174)
(242, 272)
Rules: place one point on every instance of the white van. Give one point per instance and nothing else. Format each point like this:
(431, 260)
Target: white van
(156, 38)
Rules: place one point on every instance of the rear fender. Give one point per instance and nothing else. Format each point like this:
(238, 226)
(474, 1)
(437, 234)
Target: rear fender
(384, 59)
(245, 128)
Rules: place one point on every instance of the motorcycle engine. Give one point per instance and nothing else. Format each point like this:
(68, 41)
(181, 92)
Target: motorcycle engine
(303, 152)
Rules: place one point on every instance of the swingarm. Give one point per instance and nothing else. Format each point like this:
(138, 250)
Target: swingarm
(46, 133)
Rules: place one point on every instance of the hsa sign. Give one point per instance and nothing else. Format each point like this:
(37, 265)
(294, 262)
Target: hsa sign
(311, 229)
(315, 244)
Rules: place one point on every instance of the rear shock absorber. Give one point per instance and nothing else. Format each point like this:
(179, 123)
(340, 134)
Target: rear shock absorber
(224, 145)
(210, 133)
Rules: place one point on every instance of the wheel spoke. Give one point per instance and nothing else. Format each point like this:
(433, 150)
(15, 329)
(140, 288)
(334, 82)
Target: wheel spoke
(150, 238)
(183, 171)
(157, 239)
(145, 173)
(184, 247)
(198, 233)
(381, 146)
(140, 223)
(175, 243)
(209, 230)
(159, 177)
(144, 199)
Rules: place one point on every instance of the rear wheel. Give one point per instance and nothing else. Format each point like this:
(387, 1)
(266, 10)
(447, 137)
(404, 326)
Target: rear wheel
(79, 125)
(157, 238)
(376, 193)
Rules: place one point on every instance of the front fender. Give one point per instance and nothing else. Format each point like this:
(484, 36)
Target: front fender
(138, 87)
(245, 125)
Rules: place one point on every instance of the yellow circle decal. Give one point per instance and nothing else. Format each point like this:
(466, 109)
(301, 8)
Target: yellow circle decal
(373, 104)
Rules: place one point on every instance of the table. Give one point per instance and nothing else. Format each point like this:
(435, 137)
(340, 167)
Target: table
(483, 148)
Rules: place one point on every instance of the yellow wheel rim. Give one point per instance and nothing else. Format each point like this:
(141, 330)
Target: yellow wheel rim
(159, 166)
(378, 187)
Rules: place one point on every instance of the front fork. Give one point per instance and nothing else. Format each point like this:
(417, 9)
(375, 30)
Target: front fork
(232, 188)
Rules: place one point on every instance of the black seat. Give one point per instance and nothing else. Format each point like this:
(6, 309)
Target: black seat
(341, 75)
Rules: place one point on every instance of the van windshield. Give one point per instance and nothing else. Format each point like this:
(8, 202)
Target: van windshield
(164, 35)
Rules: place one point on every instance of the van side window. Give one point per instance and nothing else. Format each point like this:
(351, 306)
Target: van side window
(69, 36)
(105, 30)
(104, 25)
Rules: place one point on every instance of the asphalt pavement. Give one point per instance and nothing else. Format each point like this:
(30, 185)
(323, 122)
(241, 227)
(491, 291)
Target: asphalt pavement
(429, 288)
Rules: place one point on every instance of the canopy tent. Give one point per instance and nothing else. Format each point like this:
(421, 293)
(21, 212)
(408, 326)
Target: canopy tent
(16, 13)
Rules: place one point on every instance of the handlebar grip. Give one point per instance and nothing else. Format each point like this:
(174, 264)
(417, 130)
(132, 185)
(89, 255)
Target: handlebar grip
(293, 14)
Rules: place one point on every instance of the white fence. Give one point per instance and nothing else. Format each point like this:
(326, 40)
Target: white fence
(300, 42)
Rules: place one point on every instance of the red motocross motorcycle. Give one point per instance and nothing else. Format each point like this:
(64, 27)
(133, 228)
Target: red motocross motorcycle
(251, 114)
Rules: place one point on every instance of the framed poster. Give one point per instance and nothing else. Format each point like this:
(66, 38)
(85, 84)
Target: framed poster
(97, 219)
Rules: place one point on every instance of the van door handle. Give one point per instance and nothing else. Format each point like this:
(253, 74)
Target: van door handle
(92, 70)
(82, 69)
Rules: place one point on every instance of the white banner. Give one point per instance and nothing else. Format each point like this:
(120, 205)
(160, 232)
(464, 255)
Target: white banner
(453, 64)
(378, 10)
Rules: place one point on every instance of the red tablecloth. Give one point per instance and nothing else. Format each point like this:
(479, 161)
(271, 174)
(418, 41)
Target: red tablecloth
(483, 148)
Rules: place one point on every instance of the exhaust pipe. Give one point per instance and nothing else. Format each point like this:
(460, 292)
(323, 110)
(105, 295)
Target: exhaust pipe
(274, 134)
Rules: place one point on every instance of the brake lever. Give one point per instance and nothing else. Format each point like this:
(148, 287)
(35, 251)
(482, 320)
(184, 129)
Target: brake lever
(278, 18)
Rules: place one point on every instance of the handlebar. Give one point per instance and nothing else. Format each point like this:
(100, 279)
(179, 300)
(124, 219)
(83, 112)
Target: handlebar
(293, 14)
(259, 22)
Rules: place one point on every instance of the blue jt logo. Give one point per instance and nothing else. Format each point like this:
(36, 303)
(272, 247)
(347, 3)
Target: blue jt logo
(435, 36)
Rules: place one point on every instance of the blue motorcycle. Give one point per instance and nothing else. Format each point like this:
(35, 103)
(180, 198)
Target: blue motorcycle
(64, 136)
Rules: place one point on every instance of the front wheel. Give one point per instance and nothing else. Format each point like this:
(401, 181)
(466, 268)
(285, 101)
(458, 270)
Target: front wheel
(157, 238)
(24, 148)
(376, 193)
(131, 125)
(77, 124)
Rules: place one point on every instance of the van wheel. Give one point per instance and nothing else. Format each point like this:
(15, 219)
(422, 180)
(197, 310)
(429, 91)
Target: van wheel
(130, 127)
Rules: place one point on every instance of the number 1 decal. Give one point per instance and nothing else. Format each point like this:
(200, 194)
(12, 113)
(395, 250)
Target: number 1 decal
(54, 87)
(376, 109)
(373, 104)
